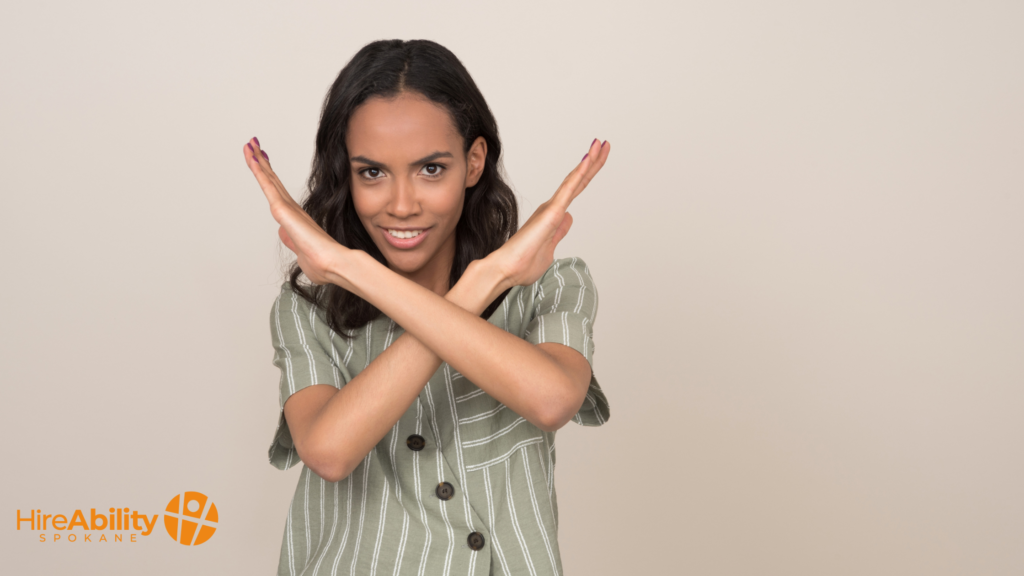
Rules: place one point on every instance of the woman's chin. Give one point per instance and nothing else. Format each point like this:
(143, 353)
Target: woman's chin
(405, 262)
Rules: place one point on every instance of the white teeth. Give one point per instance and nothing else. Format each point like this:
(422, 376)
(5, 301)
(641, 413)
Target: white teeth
(405, 234)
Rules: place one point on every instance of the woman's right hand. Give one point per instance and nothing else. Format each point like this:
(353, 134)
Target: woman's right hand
(530, 251)
(315, 250)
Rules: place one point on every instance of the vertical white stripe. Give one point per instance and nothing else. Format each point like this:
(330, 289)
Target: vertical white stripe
(291, 544)
(362, 512)
(561, 285)
(348, 524)
(369, 330)
(565, 329)
(288, 375)
(522, 309)
(380, 528)
(302, 340)
(305, 511)
(536, 512)
(348, 355)
(391, 333)
(504, 307)
(515, 521)
(551, 471)
(323, 488)
(458, 445)
(394, 464)
(440, 478)
(583, 285)
(494, 522)
(419, 486)
(334, 527)
(545, 471)
(586, 340)
(334, 356)
(402, 540)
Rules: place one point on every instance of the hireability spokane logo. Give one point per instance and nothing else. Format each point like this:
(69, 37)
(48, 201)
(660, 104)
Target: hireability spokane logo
(190, 518)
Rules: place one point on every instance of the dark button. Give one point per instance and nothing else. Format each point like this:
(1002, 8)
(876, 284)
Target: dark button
(445, 491)
(415, 442)
(476, 540)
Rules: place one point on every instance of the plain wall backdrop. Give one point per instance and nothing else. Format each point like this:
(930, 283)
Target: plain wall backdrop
(807, 242)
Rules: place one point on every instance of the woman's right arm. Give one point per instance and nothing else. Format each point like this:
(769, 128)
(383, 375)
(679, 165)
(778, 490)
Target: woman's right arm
(334, 429)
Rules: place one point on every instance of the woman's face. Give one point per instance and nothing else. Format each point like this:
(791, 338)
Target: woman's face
(409, 178)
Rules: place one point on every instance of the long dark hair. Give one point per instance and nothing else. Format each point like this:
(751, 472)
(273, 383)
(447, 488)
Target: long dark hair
(386, 68)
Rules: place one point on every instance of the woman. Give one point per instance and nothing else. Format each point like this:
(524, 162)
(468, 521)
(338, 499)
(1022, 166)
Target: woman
(425, 371)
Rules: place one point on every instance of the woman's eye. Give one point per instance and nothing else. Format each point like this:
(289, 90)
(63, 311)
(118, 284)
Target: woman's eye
(371, 173)
(433, 169)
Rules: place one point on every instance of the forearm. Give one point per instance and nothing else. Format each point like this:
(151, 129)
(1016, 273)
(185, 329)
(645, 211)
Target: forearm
(360, 414)
(510, 369)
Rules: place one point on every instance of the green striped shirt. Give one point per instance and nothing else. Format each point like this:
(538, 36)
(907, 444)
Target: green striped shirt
(389, 515)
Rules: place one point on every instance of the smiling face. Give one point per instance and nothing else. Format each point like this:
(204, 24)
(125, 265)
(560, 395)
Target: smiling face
(409, 180)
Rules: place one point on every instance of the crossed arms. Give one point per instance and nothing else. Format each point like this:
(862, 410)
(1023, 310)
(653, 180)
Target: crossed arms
(334, 429)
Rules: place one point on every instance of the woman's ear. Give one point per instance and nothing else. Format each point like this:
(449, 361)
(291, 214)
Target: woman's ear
(475, 160)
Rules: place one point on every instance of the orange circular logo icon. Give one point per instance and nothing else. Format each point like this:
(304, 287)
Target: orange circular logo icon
(190, 518)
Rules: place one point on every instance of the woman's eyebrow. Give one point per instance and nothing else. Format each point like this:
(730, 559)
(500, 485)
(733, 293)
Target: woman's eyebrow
(423, 160)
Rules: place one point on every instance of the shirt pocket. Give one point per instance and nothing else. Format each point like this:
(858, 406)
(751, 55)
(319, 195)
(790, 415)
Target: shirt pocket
(489, 431)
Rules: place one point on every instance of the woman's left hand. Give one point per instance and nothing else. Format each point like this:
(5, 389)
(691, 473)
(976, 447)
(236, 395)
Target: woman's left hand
(530, 251)
(317, 251)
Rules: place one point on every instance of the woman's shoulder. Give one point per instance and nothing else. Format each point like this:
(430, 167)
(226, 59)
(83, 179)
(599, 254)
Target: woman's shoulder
(291, 302)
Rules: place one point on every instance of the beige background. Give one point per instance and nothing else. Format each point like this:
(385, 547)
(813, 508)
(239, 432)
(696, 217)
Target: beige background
(807, 240)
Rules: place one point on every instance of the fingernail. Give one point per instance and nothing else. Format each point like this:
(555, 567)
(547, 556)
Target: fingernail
(250, 148)
(257, 141)
(603, 143)
(255, 158)
(585, 155)
(265, 155)
(592, 143)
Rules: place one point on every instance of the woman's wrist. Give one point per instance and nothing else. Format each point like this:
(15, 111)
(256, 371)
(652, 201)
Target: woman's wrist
(479, 285)
(345, 265)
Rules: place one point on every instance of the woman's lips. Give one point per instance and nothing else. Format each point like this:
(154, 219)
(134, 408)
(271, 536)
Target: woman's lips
(405, 243)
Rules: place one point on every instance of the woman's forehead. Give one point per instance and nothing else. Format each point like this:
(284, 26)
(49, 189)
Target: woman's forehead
(405, 125)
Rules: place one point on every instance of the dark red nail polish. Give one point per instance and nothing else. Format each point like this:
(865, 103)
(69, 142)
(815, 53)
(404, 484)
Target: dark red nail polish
(250, 148)
(265, 155)
(592, 143)
(257, 141)
(585, 156)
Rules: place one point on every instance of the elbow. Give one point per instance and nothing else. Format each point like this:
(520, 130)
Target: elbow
(331, 473)
(330, 467)
(554, 414)
(551, 424)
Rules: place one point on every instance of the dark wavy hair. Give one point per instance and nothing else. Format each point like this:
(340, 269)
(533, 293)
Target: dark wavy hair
(387, 68)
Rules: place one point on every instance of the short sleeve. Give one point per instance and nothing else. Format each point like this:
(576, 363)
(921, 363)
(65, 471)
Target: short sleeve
(565, 309)
(304, 352)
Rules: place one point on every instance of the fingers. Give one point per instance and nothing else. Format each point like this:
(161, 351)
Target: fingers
(594, 163)
(259, 162)
(584, 172)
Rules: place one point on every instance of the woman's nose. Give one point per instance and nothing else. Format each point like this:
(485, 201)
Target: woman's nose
(403, 199)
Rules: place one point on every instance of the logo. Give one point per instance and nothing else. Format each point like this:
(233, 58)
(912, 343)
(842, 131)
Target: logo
(187, 512)
(190, 519)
